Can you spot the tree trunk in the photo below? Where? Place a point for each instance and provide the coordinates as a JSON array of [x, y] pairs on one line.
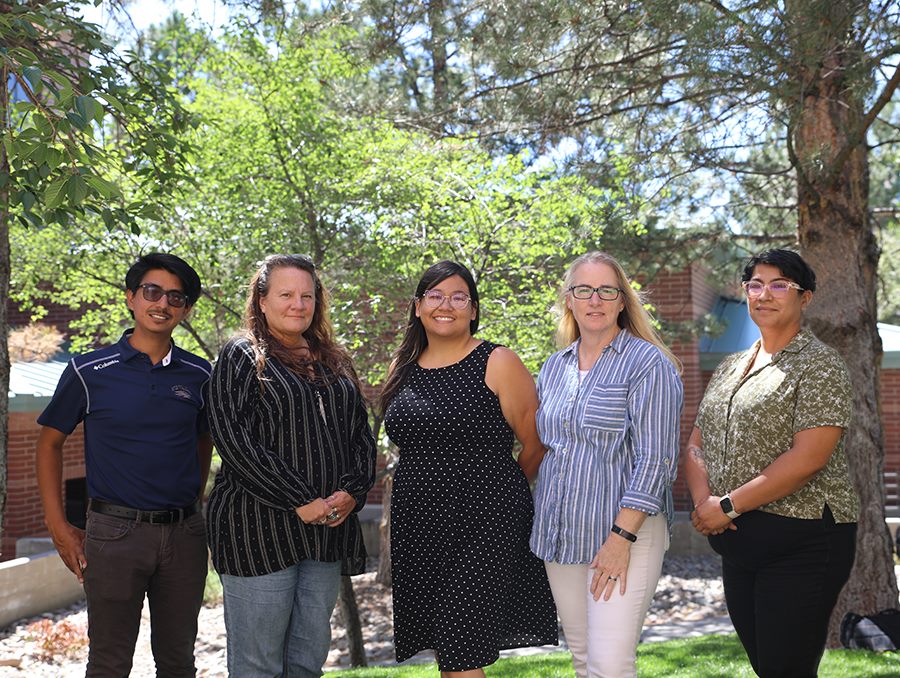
[[438, 48], [384, 543], [4, 294], [837, 240], [350, 615]]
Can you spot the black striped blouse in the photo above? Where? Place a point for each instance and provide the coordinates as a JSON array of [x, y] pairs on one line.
[[281, 447]]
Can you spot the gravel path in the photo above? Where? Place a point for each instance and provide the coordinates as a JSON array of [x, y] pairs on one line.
[[689, 590]]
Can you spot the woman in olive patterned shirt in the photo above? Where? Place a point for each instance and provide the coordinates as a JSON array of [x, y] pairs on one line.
[[768, 474]]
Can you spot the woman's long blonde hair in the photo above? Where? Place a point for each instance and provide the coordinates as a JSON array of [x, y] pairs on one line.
[[634, 317]]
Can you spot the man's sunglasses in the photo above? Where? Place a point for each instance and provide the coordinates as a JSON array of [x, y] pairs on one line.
[[152, 292]]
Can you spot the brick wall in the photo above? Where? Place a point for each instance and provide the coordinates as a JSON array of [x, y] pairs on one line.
[[23, 516], [57, 315], [890, 418], [682, 297]]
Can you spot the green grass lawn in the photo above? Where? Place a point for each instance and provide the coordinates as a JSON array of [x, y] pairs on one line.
[[706, 657]]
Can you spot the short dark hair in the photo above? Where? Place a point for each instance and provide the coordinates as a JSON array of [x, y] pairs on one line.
[[190, 281], [791, 265]]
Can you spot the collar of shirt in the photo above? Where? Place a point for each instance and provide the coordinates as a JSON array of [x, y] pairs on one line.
[[617, 344], [795, 346], [127, 351]]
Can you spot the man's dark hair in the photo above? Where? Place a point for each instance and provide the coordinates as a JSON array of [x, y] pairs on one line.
[[190, 281], [791, 265]]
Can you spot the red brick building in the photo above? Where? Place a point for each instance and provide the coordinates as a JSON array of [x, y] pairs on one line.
[[682, 296]]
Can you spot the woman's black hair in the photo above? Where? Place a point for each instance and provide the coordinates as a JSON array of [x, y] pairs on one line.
[[414, 338], [791, 265]]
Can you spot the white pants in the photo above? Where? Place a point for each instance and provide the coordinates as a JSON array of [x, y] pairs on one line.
[[603, 635]]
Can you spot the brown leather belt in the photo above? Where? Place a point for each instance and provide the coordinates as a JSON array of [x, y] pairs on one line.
[[158, 517]]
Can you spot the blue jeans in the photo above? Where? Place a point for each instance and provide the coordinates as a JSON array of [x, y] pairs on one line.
[[279, 624]]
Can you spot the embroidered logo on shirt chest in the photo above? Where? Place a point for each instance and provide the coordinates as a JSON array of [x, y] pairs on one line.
[[182, 392]]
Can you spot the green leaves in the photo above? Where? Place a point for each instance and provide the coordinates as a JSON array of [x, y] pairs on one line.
[[77, 189], [88, 108], [27, 199], [33, 75], [71, 148], [56, 193], [112, 101], [105, 188], [280, 161]]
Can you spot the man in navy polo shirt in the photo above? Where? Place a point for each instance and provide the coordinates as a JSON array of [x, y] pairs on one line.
[[147, 454]]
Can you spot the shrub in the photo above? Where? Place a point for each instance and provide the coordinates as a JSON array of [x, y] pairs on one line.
[[53, 639]]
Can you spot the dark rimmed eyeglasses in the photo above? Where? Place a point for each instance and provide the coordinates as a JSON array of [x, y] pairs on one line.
[[151, 292], [585, 292]]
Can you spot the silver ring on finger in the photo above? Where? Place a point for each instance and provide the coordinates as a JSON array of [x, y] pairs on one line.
[[614, 579]]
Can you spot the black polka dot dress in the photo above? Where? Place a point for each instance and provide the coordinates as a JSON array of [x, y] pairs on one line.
[[465, 581]]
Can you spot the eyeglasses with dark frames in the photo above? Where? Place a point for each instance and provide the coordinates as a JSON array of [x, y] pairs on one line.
[[151, 292], [585, 292]]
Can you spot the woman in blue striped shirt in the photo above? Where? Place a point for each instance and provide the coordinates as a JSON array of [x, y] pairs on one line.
[[610, 403]]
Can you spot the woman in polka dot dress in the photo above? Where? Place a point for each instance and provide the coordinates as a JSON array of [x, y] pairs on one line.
[[465, 582]]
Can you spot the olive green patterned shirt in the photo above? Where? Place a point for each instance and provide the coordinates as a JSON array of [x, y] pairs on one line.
[[747, 421]]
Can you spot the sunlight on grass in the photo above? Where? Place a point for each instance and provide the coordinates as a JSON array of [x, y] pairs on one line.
[[706, 657]]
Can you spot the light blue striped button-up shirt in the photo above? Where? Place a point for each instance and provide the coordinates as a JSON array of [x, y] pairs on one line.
[[612, 442]]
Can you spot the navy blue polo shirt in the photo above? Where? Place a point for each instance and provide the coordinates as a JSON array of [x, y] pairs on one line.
[[141, 423]]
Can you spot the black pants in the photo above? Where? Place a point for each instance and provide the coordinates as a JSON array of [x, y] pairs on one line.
[[782, 577], [127, 560]]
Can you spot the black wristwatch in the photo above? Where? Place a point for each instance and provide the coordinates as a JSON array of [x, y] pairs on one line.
[[728, 507]]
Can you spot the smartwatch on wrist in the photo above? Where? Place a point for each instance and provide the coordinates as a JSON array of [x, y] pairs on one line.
[[728, 507]]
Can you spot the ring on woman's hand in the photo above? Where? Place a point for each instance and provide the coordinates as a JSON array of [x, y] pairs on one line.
[[334, 515], [614, 579]]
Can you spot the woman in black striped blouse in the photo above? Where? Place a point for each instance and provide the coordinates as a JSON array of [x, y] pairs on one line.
[[298, 458]]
